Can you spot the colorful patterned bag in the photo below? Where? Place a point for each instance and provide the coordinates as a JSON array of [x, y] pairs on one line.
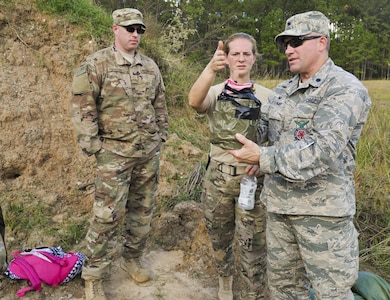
[[50, 265]]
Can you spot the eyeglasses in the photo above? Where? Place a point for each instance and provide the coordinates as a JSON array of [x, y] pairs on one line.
[[131, 29], [298, 41]]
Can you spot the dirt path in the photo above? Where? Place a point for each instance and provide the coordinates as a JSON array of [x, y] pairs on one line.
[[169, 283]]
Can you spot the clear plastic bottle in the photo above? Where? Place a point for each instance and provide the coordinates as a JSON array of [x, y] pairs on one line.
[[248, 187]]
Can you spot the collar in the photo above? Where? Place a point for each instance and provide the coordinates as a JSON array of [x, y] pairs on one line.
[[238, 86], [121, 61], [315, 81]]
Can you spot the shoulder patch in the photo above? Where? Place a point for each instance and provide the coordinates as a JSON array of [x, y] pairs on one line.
[[81, 83], [81, 70]]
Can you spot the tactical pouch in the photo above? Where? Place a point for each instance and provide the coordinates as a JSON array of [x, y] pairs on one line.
[[235, 112]]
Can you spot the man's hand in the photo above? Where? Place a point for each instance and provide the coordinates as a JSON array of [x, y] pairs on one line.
[[253, 170], [249, 153]]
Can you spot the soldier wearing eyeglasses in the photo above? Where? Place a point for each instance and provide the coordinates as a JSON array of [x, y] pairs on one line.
[[119, 114], [312, 123]]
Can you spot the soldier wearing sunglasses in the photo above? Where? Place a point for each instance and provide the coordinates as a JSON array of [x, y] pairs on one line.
[[119, 114], [312, 123]]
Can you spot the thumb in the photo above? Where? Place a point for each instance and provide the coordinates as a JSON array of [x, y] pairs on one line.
[[241, 138], [220, 45]]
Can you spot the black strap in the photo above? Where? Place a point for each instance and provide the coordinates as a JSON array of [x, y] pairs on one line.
[[245, 93], [242, 111]]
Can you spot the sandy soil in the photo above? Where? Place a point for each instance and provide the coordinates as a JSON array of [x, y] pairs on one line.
[[169, 283]]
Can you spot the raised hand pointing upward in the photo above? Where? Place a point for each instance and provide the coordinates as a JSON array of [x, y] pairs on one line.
[[218, 62], [221, 185]]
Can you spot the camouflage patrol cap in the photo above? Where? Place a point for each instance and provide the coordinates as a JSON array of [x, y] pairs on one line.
[[128, 16], [303, 24]]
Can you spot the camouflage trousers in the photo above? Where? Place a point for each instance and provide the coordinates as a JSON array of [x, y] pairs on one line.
[[311, 252], [224, 220], [3, 249], [125, 195]]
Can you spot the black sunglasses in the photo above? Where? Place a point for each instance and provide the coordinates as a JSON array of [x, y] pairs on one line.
[[131, 29], [298, 41]]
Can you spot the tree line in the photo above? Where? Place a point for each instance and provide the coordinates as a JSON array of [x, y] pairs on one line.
[[360, 30]]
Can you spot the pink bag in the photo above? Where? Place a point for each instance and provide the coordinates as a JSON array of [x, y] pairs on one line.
[[50, 265]]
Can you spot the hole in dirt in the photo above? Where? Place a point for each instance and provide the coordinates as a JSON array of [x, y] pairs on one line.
[[7, 174]]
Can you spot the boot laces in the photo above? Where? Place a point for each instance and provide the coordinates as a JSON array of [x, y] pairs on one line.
[[138, 263], [96, 288], [226, 283]]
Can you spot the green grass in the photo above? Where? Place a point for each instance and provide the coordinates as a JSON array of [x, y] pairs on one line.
[[373, 182], [94, 19], [29, 221]]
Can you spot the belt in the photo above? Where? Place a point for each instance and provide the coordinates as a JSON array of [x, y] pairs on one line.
[[228, 169]]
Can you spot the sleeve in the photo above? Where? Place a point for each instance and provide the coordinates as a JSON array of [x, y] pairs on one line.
[[263, 125], [330, 143], [160, 108], [83, 110], [213, 94]]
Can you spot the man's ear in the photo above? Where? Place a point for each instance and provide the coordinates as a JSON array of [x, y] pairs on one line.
[[114, 28], [324, 42]]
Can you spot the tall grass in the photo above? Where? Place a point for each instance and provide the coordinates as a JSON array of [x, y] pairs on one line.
[[94, 19], [373, 182]]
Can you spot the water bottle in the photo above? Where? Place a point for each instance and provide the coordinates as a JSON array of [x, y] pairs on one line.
[[248, 187]]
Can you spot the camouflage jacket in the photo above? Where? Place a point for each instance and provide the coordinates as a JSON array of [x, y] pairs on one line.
[[119, 106], [312, 130]]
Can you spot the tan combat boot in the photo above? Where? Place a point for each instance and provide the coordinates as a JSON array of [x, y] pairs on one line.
[[136, 270], [251, 296], [225, 288], [94, 290]]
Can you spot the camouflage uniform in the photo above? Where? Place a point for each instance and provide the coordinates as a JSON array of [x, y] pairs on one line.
[[312, 129], [119, 114], [3, 248], [224, 218]]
